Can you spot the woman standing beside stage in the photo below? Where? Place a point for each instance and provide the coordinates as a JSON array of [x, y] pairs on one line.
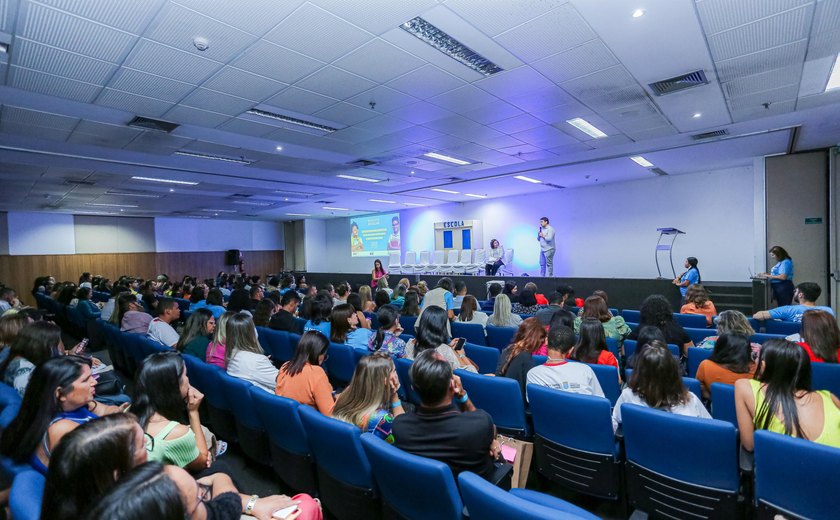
[[494, 258], [690, 277], [378, 273], [781, 276]]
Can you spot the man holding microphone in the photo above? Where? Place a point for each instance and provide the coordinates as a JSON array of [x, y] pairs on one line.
[[547, 247]]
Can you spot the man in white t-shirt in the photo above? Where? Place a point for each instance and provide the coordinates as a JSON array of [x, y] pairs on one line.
[[558, 373], [160, 329]]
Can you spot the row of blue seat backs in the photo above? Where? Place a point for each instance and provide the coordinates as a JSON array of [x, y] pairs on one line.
[[500, 397]]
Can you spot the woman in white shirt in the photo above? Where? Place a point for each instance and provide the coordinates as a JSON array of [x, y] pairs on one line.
[[244, 357], [656, 383], [494, 258], [502, 315], [470, 313]]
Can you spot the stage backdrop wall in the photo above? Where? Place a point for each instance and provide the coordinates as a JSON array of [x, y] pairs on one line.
[[602, 231]]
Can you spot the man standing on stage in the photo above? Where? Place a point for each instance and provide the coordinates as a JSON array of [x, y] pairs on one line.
[[547, 247]]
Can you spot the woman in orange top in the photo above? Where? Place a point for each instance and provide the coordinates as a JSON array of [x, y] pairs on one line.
[[302, 379], [697, 302], [730, 361]]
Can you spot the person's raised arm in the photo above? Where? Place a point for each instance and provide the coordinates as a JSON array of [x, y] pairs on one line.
[[204, 459]]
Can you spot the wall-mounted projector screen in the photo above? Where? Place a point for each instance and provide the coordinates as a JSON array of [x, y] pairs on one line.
[[375, 235]]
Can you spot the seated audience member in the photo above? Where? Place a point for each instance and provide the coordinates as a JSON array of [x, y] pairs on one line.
[[411, 307], [382, 285], [153, 490], [780, 399], [592, 346], [88, 309], [341, 295], [164, 401], [256, 294], [470, 313], [502, 315], [460, 436], [596, 308], [517, 358], [656, 311], [541, 299], [441, 297], [131, 316], [263, 312], [731, 322], [10, 327], [656, 382], [433, 334], [697, 302], [647, 335], [526, 303], [215, 302], [197, 334], [398, 298], [319, 315], [215, 354], [370, 402], [8, 300], [804, 297], [354, 300], [387, 336], [422, 288], [555, 303], [58, 399], [344, 327], [198, 297], [284, 318], [820, 336], [239, 301], [366, 296], [302, 379], [493, 291], [730, 361], [459, 293], [35, 343], [569, 301], [111, 305], [160, 329], [87, 463], [244, 357], [564, 318], [558, 373], [380, 298], [511, 291]]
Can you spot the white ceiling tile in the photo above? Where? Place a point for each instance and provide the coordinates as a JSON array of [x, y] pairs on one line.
[[827, 16], [607, 89], [420, 113], [157, 142], [495, 17], [140, 105], [562, 113], [515, 82], [493, 112], [136, 82], [463, 99], [425, 82], [217, 102], [272, 61], [824, 44], [8, 9], [519, 150], [631, 112], [769, 32], [177, 26], [417, 134], [194, 116], [72, 33], [158, 59], [48, 59], [497, 141], [719, 15], [442, 142], [570, 149], [383, 124], [24, 116], [633, 125], [352, 135], [585, 59], [775, 58], [336, 83], [378, 16], [771, 79], [301, 100], [111, 136], [240, 126], [112, 13], [606, 142], [52, 85], [555, 31], [496, 158], [304, 30], [758, 112], [379, 61], [451, 124], [827, 98], [517, 124], [542, 99], [545, 136], [755, 101], [243, 84], [346, 114], [386, 99], [254, 16]]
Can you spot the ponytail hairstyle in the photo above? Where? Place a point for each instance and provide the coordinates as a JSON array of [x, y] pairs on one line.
[[387, 316], [692, 262]]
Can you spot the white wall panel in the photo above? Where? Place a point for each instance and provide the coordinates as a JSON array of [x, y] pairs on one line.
[[41, 234]]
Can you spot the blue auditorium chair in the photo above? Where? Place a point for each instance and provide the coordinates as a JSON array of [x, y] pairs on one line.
[[406, 390], [500, 337], [695, 321], [9, 405], [681, 467], [502, 398], [207, 379], [249, 428], [826, 376], [723, 403], [275, 343], [345, 478], [183, 304], [26, 495], [608, 379], [631, 316], [412, 487], [613, 346], [299, 324], [761, 338], [630, 346], [695, 357], [472, 332], [784, 328], [407, 323], [341, 364], [487, 358], [697, 334]]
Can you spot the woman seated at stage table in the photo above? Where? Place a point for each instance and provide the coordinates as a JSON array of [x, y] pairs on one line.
[[697, 302], [433, 333], [527, 303], [495, 255], [517, 358], [502, 315], [596, 308], [470, 312]]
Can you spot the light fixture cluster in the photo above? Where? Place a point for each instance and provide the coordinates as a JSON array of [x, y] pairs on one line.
[[165, 181], [291, 120], [212, 157], [586, 127], [448, 45]]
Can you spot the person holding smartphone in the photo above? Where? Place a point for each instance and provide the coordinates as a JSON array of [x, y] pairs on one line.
[[433, 334]]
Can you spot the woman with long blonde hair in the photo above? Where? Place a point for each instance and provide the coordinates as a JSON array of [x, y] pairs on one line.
[[370, 402], [366, 295], [215, 354], [502, 315]]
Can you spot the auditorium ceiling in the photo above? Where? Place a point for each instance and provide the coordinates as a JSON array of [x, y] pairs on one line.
[[277, 109]]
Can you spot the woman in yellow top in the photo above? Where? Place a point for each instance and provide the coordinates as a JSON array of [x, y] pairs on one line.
[[697, 302], [779, 399]]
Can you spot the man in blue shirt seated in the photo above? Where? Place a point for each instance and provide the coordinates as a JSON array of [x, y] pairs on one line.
[[805, 295]]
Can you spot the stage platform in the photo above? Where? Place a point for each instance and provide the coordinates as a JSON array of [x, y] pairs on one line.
[[624, 293]]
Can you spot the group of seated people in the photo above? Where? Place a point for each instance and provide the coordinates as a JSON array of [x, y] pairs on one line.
[[60, 415]]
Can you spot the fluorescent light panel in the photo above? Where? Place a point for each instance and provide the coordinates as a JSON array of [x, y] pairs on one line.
[[355, 178], [212, 157], [291, 120], [641, 161], [441, 190], [219, 210], [111, 205], [441, 157], [834, 78], [414, 204], [334, 208], [165, 181], [475, 196], [298, 214], [586, 127], [248, 203], [128, 194], [527, 179], [383, 201], [448, 45]]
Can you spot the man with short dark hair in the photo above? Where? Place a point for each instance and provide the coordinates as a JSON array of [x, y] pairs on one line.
[[341, 295], [459, 436], [547, 247], [555, 303], [284, 319], [160, 328], [805, 296], [256, 295], [8, 299], [558, 373], [460, 292]]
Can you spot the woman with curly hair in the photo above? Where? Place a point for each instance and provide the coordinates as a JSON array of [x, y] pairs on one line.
[[657, 312]]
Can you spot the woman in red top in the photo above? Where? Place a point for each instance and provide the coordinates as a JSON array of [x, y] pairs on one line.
[[592, 346], [820, 336]]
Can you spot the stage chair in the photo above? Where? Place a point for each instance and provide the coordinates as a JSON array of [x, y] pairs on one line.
[[507, 269], [682, 467], [472, 332], [695, 357], [723, 403], [487, 358], [394, 262], [826, 376], [502, 398], [26, 495], [410, 264], [478, 263], [423, 264], [794, 478], [438, 262], [448, 267], [463, 263], [785, 328]]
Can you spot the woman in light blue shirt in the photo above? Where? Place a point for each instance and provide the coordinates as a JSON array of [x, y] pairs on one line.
[[690, 277], [781, 276]]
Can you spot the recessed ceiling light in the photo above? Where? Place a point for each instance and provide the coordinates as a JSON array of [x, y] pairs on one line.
[[638, 13], [383, 201], [111, 205], [279, 148], [171, 190], [586, 127], [286, 199], [355, 178], [448, 45], [4, 47], [166, 181], [475, 196], [834, 78], [697, 115], [441, 190], [527, 179], [412, 172], [298, 214], [219, 210], [212, 157], [641, 161], [413, 204], [291, 120], [333, 208], [249, 203], [129, 194], [441, 157]]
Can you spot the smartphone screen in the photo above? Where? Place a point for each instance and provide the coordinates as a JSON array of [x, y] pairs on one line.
[[460, 344], [283, 513]]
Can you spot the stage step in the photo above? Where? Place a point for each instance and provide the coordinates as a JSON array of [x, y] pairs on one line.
[[731, 296]]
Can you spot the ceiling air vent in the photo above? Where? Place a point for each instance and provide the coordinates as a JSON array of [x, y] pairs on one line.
[[677, 83], [659, 171], [556, 186], [76, 182], [242, 195], [709, 135], [361, 163], [152, 124]]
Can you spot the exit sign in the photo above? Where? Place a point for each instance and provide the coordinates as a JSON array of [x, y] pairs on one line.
[[813, 220]]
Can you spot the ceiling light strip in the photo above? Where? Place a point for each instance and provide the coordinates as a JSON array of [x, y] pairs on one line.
[[448, 45], [527, 179], [356, 178], [442, 157], [291, 120], [212, 157], [641, 161], [586, 127], [441, 190], [165, 181]]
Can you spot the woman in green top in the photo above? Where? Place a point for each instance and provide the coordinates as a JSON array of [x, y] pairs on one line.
[[197, 334], [595, 307], [167, 408]]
